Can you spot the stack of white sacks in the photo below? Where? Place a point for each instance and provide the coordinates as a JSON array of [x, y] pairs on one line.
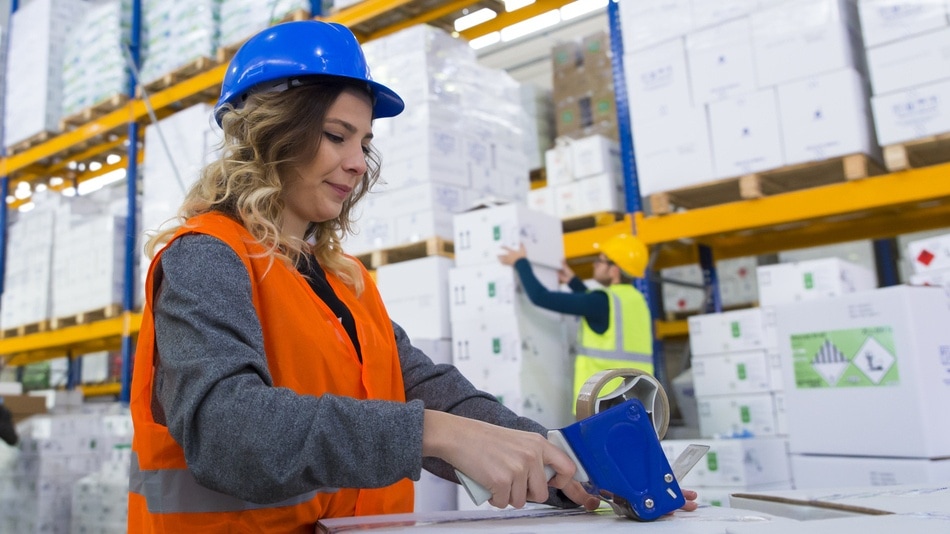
[[34, 77], [95, 66], [908, 54], [584, 176], [740, 382], [176, 32], [100, 499], [459, 139], [242, 18], [723, 89], [472, 312], [55, 452]]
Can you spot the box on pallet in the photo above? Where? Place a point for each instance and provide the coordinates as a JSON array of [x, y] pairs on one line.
[[883, 21], [735, 463], [480, 235], [930, 254], [415, 295], [867, 374], [783, 283], [733, 331]]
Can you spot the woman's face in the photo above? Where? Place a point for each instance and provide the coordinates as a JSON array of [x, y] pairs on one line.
[[317, 191]]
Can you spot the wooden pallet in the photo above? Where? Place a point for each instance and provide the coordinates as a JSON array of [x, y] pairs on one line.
[[766, 183], [25, 329], [182, 73], [92, 113], [918, 153], [583, 222], [30, 142], [98, 314], [434, 246]]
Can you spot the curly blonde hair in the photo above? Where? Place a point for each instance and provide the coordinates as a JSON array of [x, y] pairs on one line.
[[264, 141]]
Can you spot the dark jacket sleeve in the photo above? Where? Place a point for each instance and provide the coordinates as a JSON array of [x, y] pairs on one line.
[[593, 306], [240, 434]]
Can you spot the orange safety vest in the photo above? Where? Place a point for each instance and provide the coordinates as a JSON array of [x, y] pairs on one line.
[[318, 358]]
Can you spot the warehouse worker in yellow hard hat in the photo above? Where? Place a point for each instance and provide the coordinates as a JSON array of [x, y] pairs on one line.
[[615, 329]]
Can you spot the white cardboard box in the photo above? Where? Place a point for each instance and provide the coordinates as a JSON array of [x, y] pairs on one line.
[[480, 235], [815, 471], [595, 155], [783, 283], [736, 463], [911, 114], [883, 21], [708, 13], [862, 524], [757, 371], [739, 416], [826, 116], [657, 81], [674, 151], [721, 63], [648, 22], [746, 135], [918, 60], [888, 349], [416, 295], [930, 254], [811, 503], [477, 291], [732, 331]]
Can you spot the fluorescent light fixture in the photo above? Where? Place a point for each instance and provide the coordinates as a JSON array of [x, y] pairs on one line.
[[22, 193], [69, 192], [40, 188], [11, 199], [514, 5], [528, 26], [95, 166], [581, 7], [474, 19], [97, 183], [485, 40], [55, 181], [26, 206], [112, 159]]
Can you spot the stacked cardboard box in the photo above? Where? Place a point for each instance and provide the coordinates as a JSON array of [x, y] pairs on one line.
[[584, 101]]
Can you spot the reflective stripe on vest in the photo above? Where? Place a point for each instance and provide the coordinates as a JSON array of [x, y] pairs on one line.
[[618, 353], [173, 491]]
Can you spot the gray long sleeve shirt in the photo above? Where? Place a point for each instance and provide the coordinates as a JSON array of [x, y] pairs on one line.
[[243, 436]]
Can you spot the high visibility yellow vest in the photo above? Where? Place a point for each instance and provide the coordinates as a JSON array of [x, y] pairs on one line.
[[319, 358], [627, 342]]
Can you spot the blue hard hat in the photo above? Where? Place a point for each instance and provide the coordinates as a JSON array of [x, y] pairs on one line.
[[291, 51]]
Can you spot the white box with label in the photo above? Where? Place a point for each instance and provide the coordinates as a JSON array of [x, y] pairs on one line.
[[478, 290], [783, 283], [708, 13], [755, 371], [595, 154], [919, 60], [738, 416], [814, 471], [930, 254], [735, 463], [674, 151], [732, 331], [883, 21], [826, 116], [746, 135], [657, 81], [721, 63], [480, 235], [868, 374], [917, 112], [648, 22]]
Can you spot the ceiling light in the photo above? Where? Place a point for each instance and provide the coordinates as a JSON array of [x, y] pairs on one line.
[[97, 183], [28, 206], [513, 5], [474, 19], [527, 26], [112, 159], [581, 7], [485, 40]]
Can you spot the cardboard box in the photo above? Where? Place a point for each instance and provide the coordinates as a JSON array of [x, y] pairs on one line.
[[737, 373], [480, 235], [416, 295], [815, 471], [736, 463], [648, 22], [847, 500], [746, 135], [673, 152], [784, 283], [930, 254], [732, 331], [739, 416], [657, 81], [915, 113], [888, 349], [23, 406], [884, 524], [884, 21], [918, 60], [721, 63]]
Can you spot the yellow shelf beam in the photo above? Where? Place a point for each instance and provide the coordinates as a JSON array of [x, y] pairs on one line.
[[78, 339], [365, 11], [101, 390], [668, 329], [423, 18]]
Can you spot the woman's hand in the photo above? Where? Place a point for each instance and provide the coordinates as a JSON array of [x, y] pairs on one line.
[[508, 463], [691, 497], [512, 255]]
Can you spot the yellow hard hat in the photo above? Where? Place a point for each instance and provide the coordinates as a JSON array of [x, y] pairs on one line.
[[628, 252]]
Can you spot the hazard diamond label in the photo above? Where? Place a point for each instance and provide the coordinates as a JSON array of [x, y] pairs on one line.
[[856, 357], [925, 257], [873, 360]]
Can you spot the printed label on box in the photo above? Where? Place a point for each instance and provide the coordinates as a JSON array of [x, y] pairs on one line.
[[858, 357]]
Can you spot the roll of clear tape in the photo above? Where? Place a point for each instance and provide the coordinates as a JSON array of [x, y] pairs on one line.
[[635, 384]]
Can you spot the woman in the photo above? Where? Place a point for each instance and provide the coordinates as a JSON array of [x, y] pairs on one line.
[[270, 387]]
